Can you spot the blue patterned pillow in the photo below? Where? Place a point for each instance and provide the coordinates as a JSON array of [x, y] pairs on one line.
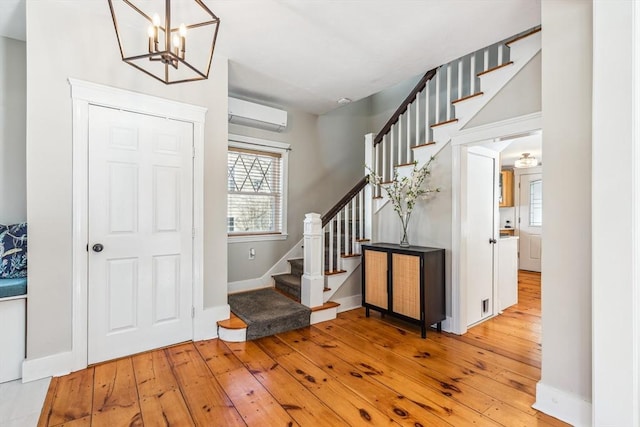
[[13, 251]]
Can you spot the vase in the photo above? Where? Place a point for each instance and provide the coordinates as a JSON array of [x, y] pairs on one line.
[[404, 220]]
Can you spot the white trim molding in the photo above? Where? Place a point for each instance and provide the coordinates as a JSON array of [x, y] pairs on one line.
[[562, 405], [349, 303], [496, 132], [83, 95]]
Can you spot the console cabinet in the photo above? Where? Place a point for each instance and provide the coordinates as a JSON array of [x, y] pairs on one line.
[[407, 283]]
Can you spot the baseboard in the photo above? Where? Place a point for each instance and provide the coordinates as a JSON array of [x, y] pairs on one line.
[[562, 405], [49, 366], [248, 285], [349, 303], [205, 324], [447, 324]]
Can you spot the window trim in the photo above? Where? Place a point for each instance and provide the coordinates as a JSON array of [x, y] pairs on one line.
[[282, 148]]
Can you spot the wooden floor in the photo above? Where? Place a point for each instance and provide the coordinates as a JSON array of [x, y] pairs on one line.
[[350, 371]]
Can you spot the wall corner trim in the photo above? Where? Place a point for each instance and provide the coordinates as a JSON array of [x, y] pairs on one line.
[[48, 366], [562, 405]]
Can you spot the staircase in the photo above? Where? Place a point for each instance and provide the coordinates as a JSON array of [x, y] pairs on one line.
[[438, 107]]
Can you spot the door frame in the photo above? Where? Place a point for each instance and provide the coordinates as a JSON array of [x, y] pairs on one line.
[[83, 95], [495, 132]]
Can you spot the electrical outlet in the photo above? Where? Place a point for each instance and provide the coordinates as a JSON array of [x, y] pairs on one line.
[[252, 253]]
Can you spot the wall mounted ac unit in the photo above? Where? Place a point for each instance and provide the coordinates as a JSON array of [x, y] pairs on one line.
[[255, 115]]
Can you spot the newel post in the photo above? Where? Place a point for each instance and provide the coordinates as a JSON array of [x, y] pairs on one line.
[[312, 290]]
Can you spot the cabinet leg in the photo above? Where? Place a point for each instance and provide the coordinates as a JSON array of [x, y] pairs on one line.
[[439, 327], [424, 331], [367, 311]]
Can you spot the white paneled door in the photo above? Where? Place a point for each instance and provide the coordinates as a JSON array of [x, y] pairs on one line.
[[140, 233], [480, 234], [530, 222]]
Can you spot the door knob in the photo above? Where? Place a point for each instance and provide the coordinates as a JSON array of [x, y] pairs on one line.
[[492, 241], [98, 247]]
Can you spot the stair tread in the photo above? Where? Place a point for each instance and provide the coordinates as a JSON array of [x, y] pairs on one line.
[[426, 144], [524, 36], [506, 64], [464, 98], [350, 255], [331, 273], [288, 279], [233, 322], [444, 123], [325, 306]]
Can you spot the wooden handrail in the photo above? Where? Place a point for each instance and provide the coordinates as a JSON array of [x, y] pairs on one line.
[[343, 202], [403, 107]]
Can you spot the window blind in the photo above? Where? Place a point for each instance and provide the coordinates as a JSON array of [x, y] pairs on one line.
[[254, 192]]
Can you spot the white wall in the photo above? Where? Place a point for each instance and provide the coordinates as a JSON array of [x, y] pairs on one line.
[[86, 48], [616, 163], [522, 95], [13, 131], [430, 223], [565, 387]]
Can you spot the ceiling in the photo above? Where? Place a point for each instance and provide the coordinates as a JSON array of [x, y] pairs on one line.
[[531, 144], [307, 54]]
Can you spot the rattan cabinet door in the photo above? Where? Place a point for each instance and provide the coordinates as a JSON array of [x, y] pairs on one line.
[[406, 285], [375, 284]]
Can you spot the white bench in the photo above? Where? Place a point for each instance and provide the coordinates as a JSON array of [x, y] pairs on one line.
[[13, 329]]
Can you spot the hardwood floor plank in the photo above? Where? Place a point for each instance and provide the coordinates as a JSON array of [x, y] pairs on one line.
[[415, 382], [47, 409], [297, 400], [161, 401], [115, 396], [73, 397], [351, 371], [351, 407], [207, 402], [254, 403], [364, 380]]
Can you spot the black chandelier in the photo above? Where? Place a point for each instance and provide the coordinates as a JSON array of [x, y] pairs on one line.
[[150, 40]]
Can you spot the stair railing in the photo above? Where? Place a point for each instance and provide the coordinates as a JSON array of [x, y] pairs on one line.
[[430, 104]]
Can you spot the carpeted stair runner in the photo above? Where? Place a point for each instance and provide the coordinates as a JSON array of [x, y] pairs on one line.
[[267, 312], [290, 283]]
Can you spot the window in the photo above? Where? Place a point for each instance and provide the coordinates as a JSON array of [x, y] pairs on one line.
[[535, 203], [256, 189]]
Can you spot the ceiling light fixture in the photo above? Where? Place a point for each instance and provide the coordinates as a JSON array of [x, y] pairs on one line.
[[150, 41], [344, 101], [526, 161]]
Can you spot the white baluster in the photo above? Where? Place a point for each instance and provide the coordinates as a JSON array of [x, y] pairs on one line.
[[391, 149], [339, 241], [331, 239], [438, 96], [399, 159], [408, 153], [361, 213], [353, 225], [500, 54], [384, 157], [379, 167], [472, 87], [448, 104], [486, 59], [460, 78], [427, 122], [417, 122]]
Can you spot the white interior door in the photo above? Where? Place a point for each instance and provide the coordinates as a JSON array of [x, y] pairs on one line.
[[530, 222], [140, 233], [480, 241]]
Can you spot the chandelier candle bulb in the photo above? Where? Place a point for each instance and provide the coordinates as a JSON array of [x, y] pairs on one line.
[[151, 32], [183, 40]]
